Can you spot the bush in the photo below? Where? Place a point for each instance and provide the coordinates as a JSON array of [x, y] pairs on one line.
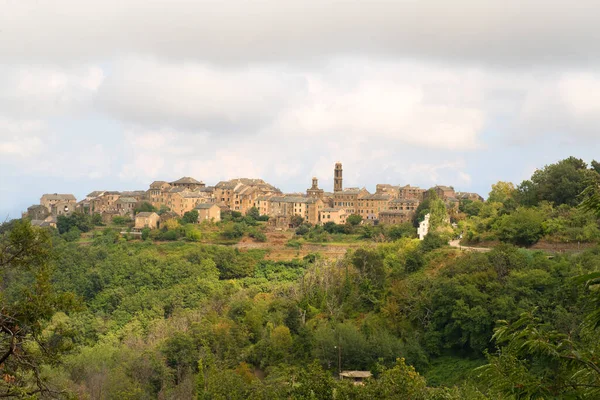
[[119, 220], [235, 231], [303, 230], [168, 235], [258, 236], [145, 233], [431, 242], [73, 235], [523, 227], [295, 244], [190, 217]]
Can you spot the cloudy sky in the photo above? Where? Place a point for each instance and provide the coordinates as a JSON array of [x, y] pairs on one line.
[[115, 94]]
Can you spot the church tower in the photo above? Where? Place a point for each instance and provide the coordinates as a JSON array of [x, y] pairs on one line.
[[314, 191], [337, 177]]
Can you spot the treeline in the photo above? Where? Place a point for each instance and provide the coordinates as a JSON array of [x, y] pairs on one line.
[[182, 320], [544, 207]]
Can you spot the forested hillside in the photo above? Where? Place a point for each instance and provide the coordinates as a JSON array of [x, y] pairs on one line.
[[109, 316]]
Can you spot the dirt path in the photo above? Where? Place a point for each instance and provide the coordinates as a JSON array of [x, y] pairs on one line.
[[456, 243]]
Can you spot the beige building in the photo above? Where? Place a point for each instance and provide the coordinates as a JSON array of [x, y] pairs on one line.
[[370, 205], [394, 217], [243, 193], [59, 204], [181, 201], [348, 199], [188, 183], [443, 192], [315, 192], [411, 192], [37, 212], [335, 215], [156, 192], [105, 202], [208, 212], [404, 204], [147, 220], [126, 205]]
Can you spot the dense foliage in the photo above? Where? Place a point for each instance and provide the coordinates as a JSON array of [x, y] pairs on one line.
[[118, 317]]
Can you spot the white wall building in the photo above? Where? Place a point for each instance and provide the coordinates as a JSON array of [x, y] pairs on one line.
[[423, 228]]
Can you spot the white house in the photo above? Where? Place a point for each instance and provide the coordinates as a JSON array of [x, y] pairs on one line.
[[423, 228]]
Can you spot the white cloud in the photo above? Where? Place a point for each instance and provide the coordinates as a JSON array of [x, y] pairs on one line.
[[44, 91]]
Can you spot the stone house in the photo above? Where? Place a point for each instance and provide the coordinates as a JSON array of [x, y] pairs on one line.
[[443, 192], [188, 183], [105, 202], [370, 205], [182, 201], [126, 205], [208, 212], [335, 215], [147, 220], [468, 196], [37, 212], [348, 199], [411, 192], [59, 204], [156, 192], [385, 188], [394, 217], [406, 204]]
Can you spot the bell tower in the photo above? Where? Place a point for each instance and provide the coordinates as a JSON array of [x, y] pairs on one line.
[[337, 177], [314, 191]]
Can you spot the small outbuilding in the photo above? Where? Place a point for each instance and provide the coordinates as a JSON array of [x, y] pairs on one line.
[[147, 220], [208, 212], [357, 377]]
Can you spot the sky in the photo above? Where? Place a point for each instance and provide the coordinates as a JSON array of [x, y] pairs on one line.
[[112, 95]]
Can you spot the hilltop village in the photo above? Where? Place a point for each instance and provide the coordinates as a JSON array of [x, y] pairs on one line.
[[390, 204]]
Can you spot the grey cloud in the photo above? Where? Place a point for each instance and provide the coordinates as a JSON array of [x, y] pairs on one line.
[[197, 97], [507, 33]]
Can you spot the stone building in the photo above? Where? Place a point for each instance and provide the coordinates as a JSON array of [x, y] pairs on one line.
[[411, 192], [208, 212], [370, 205], [443, 192], [314, 190], [394, 217], [59, 204], [335, 215], [405, 204], [188, 183], [156, 192], [348, 199], [181, 200], [37, 212], [126, 205], [147, 220], [337, 178], [105, 202]]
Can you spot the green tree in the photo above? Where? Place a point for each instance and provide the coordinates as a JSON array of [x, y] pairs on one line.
[[559, 183], [535, 361], [26, 309], [501, 192], [253, 213], [523, 227], [314, 383], [190, 217], [354, 219], [296, 221], [144, 207]]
